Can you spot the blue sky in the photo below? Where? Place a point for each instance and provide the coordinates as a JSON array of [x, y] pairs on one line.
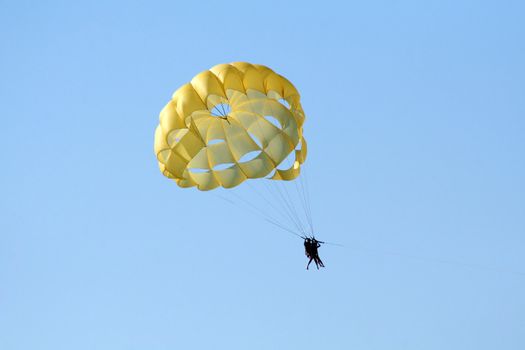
[[415, 127]]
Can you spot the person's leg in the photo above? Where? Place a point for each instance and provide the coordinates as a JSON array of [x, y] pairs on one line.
[[318, 259], [309, 263]]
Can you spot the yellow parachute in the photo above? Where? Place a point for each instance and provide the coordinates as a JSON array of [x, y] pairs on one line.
[[231, 123]]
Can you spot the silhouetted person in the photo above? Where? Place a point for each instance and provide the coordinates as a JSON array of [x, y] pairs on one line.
[[315, 253], [310, 248], [307, 247], [308, 251]]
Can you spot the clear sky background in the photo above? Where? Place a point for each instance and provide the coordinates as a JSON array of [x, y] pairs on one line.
[[415, 122]]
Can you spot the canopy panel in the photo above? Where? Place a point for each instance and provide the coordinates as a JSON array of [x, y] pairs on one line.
[[221, 116]]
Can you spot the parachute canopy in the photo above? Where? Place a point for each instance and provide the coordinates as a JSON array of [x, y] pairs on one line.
[[231, 123]]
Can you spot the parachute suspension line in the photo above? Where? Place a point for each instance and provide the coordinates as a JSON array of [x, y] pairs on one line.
[[289, 210], [437, 260], [265, 215], [289, 213], [261, 212], [306, 195], [285, 211], [284, 228], [292, 206], [300, 190], [286, 201], [303, 195], [223, 110], [265, 218], [220, 109], [303, 205], [287, 207], [334, 244], [253, 209], [270, 203]]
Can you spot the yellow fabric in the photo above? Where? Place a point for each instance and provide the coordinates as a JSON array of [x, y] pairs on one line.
[[211, 123]]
